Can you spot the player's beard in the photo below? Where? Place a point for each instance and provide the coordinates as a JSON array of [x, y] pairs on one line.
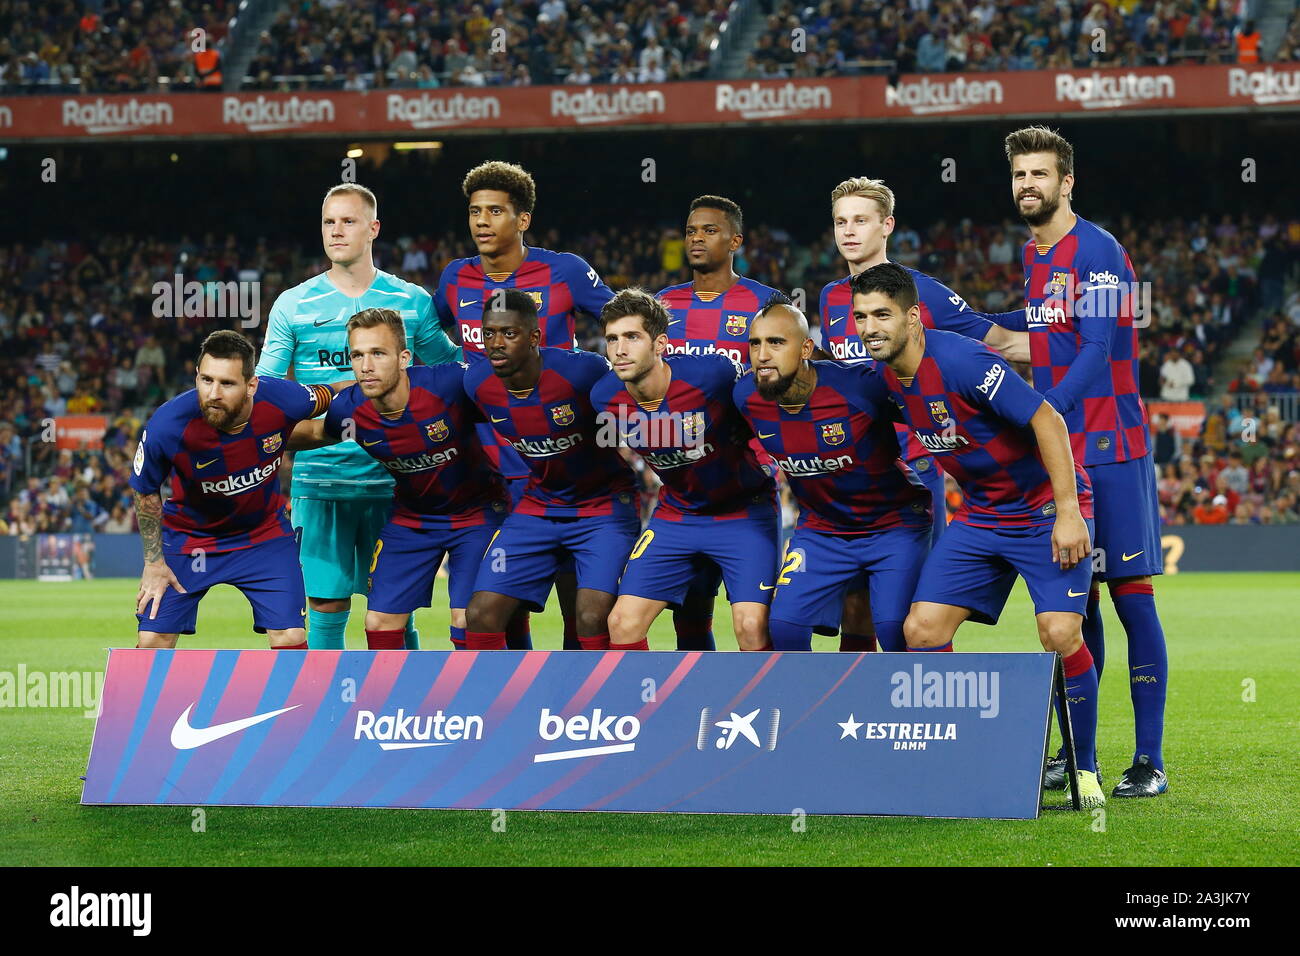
[[893, 349], [220, 417], [1047, 206], [776, 390]]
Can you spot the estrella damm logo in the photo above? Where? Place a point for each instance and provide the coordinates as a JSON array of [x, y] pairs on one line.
[[1058, 283], [437, 431], [693, 426], [271, 443], [939, 411], [736, 324], [563, 414], [833, 433]]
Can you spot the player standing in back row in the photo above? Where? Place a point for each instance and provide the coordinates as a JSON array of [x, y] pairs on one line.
[[501, 199], [1079, 298], [710, 315], [341, 496]]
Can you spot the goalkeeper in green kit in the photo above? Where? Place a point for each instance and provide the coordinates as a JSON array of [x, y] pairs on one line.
[[342, 496]]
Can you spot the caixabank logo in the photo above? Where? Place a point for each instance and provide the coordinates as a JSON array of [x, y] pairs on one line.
[[723, 734]]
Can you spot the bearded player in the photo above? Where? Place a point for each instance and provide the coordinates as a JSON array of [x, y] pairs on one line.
[[419, 424], [717, 505], [1026, 507], [501, 199], [226, 521], [1079, 298], [862, 512], [341, 496]]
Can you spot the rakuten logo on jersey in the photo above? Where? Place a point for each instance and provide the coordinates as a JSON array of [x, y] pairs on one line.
[[102, 116], [1036, 316], [925, 96], [471, 334], [1266, 86], [429, 111], [848, 349], [810, 467], [1108, 91], [263, 115], [756, 101], [587, 106], [711, 349], [583, 729], [238, 484]]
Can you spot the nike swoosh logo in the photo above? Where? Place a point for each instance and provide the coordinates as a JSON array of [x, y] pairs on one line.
[[761, 435], [319, 322], [463, 304], [369, 443], [832, 321], [185, 737], [767, 587], [497, 421], [673, 321], [204, 465], [1075, 594], [1138, 667], [1130, 557]]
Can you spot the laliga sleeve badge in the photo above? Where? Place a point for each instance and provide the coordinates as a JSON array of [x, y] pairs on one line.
[[1049, 508], [1103, 442]]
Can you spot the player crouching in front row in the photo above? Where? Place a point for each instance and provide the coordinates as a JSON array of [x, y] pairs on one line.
[[226, 521], [419, 423], [1027, 505]]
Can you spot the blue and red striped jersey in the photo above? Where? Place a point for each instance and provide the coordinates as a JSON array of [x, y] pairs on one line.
[[694, 439], [432, 450], [225, 489], [713, 322], [941, 308], [839, 451], [971, 411], [559, 282], [1079, 305], [572, 473]]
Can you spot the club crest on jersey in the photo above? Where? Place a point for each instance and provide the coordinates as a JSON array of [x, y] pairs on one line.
[[562, 414], [833, 433], [736, 324], [536, 296], [437, 431], [692, 427], [939, 411], [1057, 284], [271, 443]]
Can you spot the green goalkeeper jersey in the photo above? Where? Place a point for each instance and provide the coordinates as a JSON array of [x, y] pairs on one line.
[[307, 333]]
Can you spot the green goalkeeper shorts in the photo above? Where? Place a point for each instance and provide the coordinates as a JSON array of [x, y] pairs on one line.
[[338, 542]]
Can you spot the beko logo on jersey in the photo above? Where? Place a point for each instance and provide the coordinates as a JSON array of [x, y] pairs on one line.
[[710, 349], [801, 467], [547, 447], [237, 484], [992, 380], [1103, 278], [407, 466]]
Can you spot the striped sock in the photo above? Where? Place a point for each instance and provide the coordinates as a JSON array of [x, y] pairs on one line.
[[1148, 665], [325, 630]]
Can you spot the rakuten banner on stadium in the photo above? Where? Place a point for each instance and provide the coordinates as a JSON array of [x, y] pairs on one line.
[[955, 735], [714, 103]]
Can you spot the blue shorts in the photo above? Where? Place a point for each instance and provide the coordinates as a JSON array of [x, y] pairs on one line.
[[516, 487], [820, 568], [406, 561], [931, 475], [338, 537], [527, 551], [268, 574], [1126, 510], [976, 568], [664, 562]]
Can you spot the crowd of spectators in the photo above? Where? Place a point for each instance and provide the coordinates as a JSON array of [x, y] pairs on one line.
[[110, 46], [80, 334], [94, 46], [834, 37]]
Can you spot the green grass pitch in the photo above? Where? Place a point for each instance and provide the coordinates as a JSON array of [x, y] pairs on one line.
[[1231, 732]]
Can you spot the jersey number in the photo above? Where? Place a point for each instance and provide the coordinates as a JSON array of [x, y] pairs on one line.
[[642, 543], [793, 561]]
